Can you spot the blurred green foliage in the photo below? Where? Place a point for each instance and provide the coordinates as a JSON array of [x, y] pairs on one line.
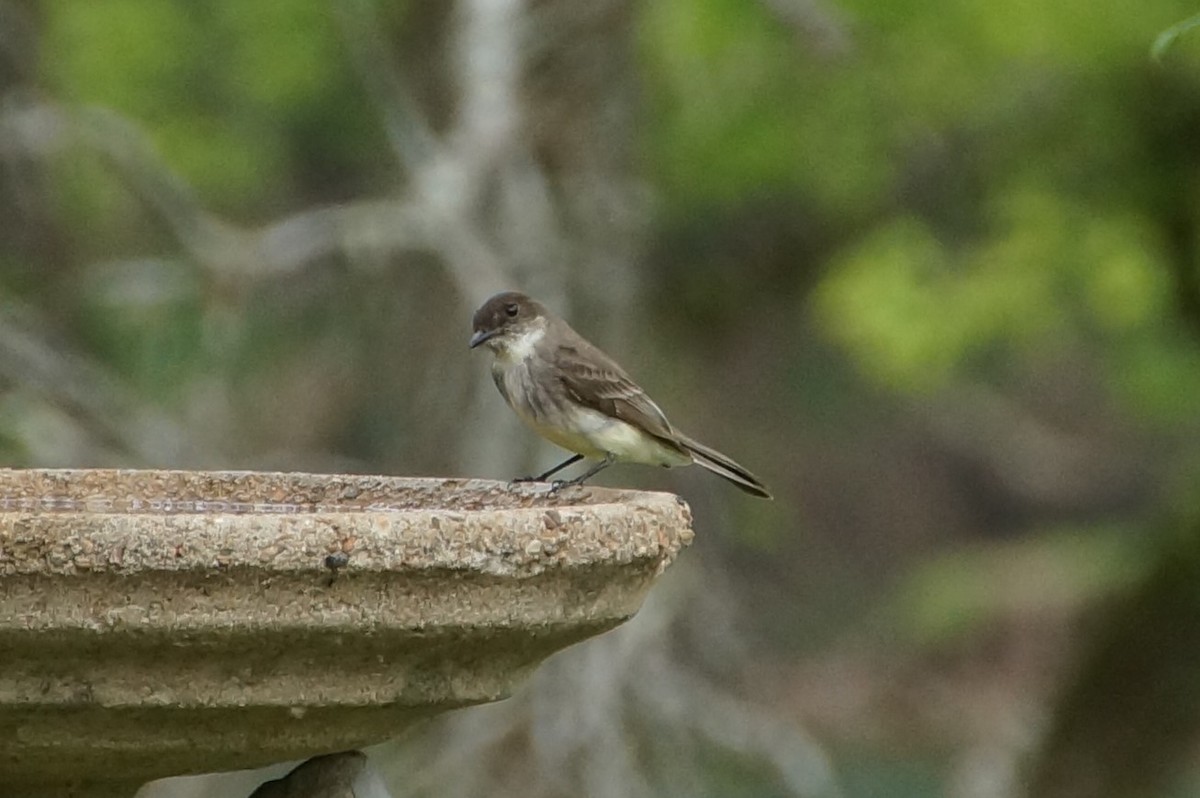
[[1015, 185], [254, 104], [914, 309], [991, 166], [1035, 222], [1052, 572], [1164, 40]]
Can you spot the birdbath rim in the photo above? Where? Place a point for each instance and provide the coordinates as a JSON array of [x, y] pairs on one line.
[[150, 618], [245, 491]]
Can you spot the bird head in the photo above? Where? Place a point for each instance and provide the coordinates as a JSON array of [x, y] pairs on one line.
[[506, 321]]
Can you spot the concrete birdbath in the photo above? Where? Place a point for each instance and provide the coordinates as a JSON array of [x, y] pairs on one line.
[[159, 623]]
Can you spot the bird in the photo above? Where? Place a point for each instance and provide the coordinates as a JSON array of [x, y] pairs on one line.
[[577, 397]]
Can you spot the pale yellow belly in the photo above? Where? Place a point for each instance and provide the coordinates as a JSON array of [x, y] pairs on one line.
[[570, 440], [588, 432], [594, 435]]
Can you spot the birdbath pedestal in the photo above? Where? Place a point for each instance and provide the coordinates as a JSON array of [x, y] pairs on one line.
[[160, 623]]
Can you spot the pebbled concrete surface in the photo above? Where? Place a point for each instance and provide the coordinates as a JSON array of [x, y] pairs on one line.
[[163, 623]]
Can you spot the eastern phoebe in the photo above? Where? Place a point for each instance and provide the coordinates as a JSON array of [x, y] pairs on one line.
[[577, 397]]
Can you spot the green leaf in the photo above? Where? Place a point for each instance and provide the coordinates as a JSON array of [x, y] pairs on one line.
[[1167, 38]]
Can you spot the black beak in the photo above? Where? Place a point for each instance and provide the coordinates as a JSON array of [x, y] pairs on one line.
[[482, 335]]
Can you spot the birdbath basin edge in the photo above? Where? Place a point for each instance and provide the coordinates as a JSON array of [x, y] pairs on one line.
[[158, 623]]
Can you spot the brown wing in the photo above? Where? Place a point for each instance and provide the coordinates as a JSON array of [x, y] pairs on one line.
[[595, 381]]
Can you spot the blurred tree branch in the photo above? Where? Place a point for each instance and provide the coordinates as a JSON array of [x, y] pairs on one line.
[[31, 360], [822, 27], [225, 250], [1038, 461], [440, 212]]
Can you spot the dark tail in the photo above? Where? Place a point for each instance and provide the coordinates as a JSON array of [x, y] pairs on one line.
[[722, 466]]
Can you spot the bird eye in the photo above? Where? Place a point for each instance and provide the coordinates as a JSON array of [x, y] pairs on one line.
[[511, 309]]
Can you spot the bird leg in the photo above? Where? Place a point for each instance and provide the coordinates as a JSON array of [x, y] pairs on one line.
[[608, 460], [575, 458]]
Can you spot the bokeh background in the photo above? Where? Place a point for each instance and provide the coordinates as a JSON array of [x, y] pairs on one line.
[[931, 269]]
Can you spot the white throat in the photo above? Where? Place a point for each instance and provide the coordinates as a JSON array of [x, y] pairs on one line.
[[515, 350]]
